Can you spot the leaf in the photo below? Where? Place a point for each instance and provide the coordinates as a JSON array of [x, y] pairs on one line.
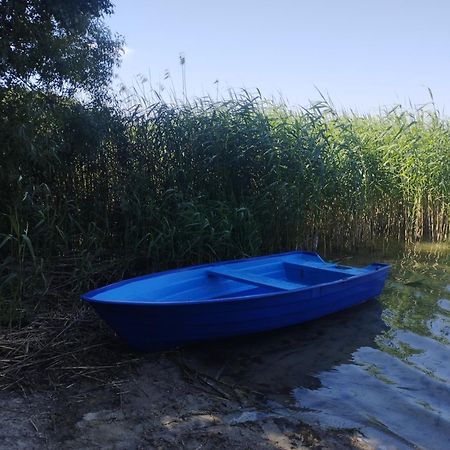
[[28, 243]]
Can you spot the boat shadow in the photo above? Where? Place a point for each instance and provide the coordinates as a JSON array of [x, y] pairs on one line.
[[276, 362]]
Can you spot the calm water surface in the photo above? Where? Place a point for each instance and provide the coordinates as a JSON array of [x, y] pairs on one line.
[[383, 367]]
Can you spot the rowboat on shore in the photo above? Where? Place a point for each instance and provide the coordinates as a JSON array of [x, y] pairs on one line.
[[211, 301]]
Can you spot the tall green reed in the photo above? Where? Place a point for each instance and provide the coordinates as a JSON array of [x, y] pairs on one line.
[[91, 193]]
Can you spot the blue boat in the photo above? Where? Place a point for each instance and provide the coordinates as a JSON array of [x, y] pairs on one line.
[[212, 301]]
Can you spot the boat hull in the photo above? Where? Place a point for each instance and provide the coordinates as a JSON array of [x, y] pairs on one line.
[[159, 326]]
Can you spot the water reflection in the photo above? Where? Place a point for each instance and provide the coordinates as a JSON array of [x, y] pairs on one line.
[[382, 368], [444, 304], [276, 362], [390, 401], [397, 392]]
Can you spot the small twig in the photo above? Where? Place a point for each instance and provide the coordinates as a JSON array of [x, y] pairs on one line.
[[34, 425]]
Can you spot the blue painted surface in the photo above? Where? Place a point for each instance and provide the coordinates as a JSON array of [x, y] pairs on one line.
[[212, 301]]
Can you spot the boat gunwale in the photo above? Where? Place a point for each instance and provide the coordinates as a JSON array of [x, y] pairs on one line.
[[87, 297]]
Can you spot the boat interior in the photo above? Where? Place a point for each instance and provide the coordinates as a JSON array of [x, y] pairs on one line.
[[243, 278]]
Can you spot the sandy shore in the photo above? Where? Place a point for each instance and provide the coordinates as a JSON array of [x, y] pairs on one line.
[[159, 405], [219, 396]]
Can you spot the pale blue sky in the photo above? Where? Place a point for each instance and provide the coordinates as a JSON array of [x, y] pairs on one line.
[[363, 54]]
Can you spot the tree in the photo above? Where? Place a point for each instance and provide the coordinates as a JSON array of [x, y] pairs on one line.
[[57, 45]]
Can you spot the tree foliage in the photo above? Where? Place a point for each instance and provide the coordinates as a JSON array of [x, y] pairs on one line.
[[57, 44]]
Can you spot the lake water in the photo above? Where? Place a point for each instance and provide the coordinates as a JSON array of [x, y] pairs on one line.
[[382, 368]]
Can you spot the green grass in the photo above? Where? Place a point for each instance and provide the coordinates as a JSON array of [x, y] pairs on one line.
[[90, 194]]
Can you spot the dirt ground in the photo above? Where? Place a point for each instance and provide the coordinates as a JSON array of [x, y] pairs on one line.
[[156, 405], [59, 396]]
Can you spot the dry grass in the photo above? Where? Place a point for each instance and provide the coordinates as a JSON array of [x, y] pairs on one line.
[[60, 348]]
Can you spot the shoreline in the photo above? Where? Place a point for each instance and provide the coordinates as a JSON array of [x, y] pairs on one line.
[[156, 404], [104, 396]]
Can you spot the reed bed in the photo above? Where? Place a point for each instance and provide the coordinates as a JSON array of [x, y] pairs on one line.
[[93, 193]]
